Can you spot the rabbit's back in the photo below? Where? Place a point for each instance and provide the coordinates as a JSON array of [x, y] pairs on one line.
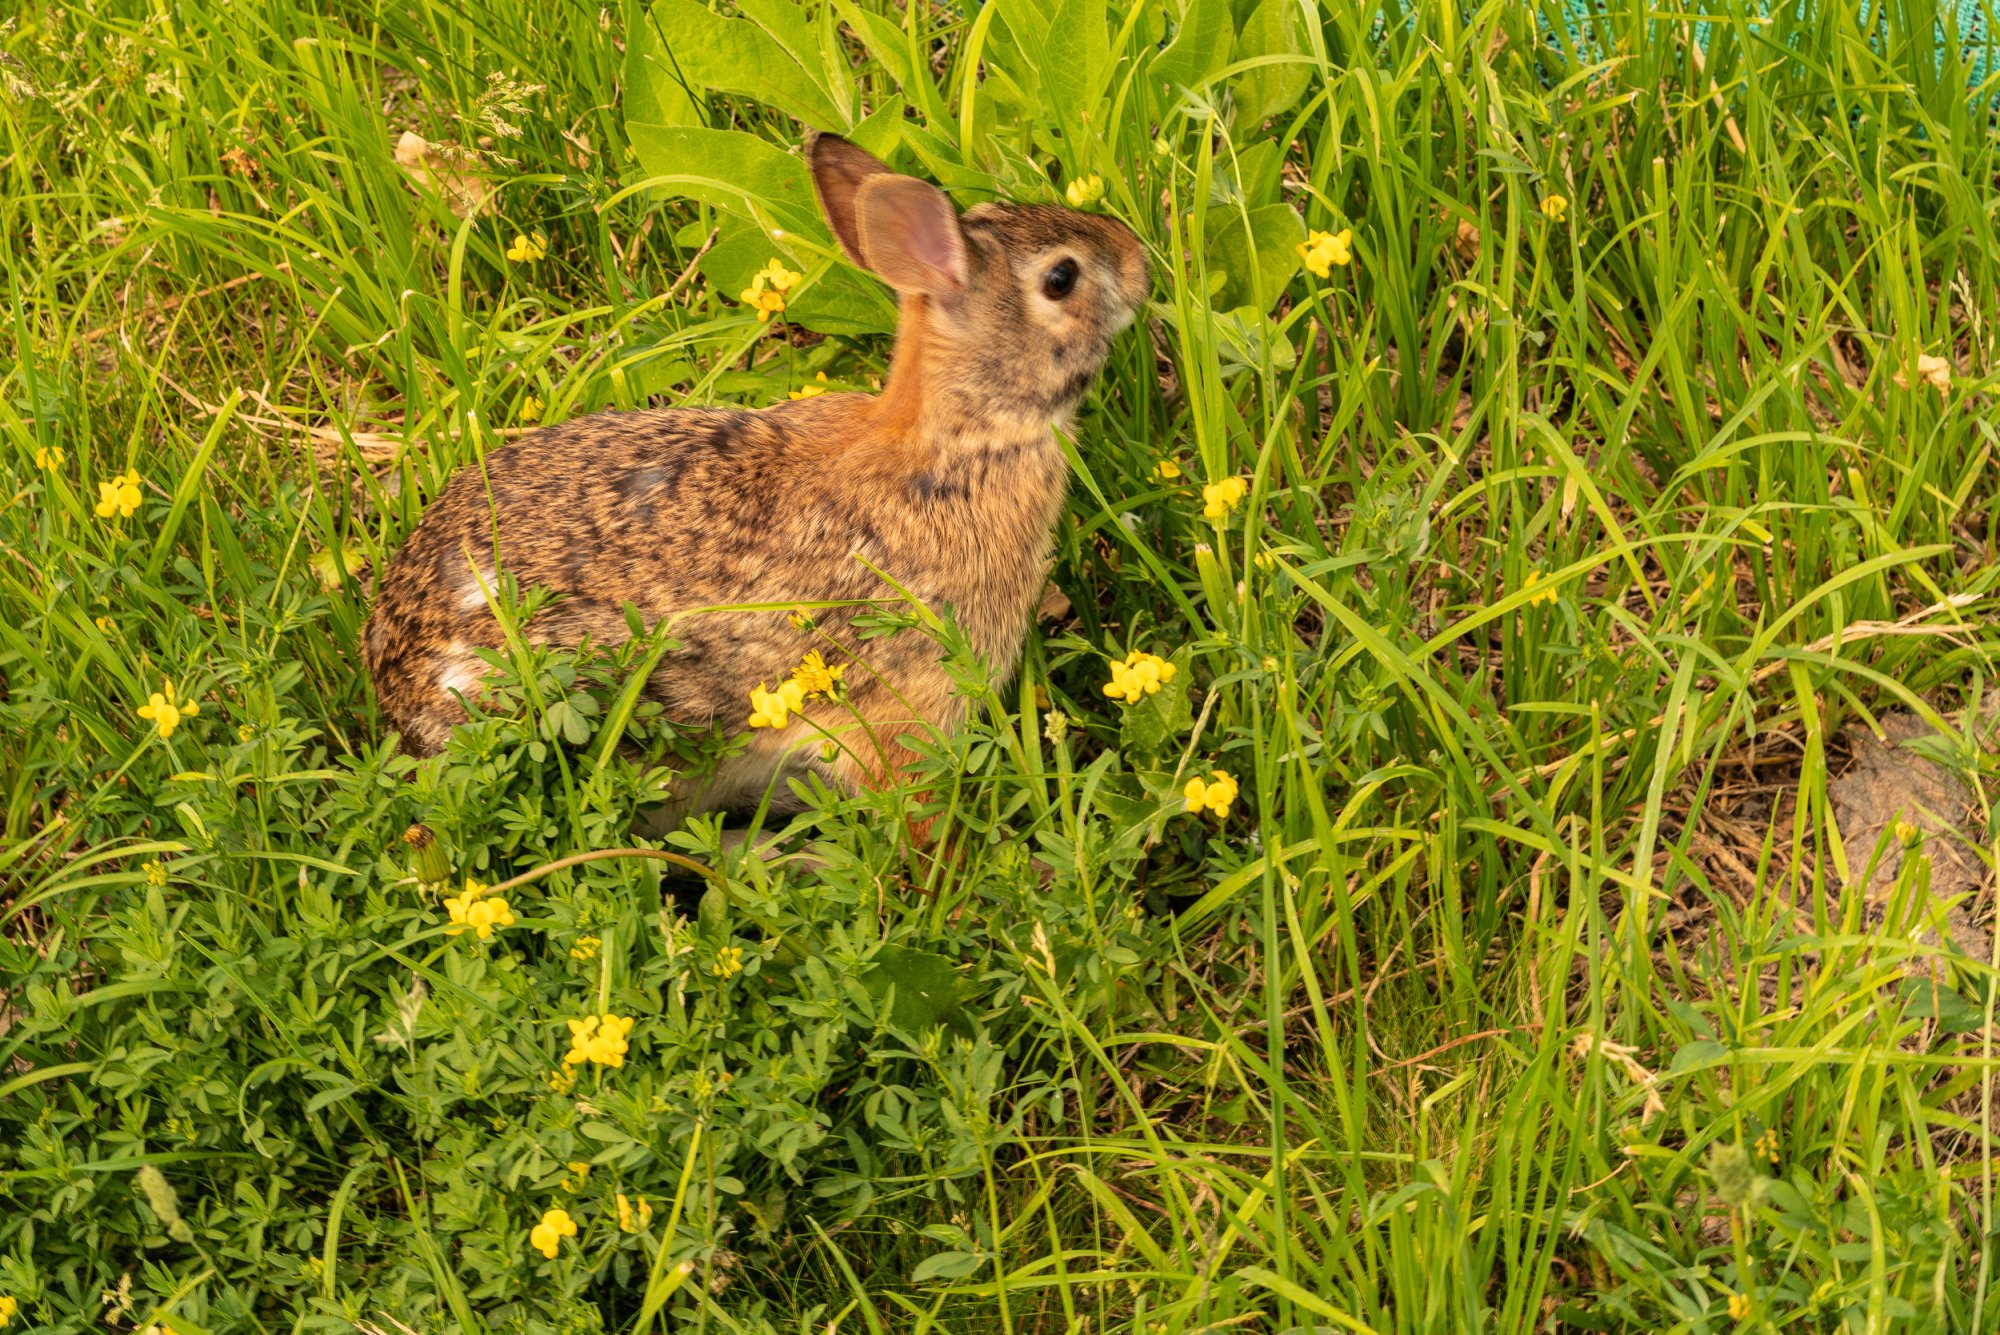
[[677, 510]]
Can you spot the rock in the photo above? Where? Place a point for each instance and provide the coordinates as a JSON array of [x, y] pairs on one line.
[[1888, 783]]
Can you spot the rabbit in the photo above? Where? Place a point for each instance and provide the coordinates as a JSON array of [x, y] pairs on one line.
[[949, 482]]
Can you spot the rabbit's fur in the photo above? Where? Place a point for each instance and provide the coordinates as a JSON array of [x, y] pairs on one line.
[[949, 482]]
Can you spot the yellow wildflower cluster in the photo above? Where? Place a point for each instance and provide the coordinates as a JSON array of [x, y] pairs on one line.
[[1323, 250], [633, 1219], [1544, 594], [527, 249], [774, 709], [1739, 1306], [1767, 1144], [1084, 191], [1166, 470], [50, 457], [580, 1173], [728, 962], [585, 948], [120, 496], [1219, 498], [599, 1039], [813, 676], [817, 385], [767, 289], [1139, 675], [156, 873], [816, 677], [531, 408], [546, 1236], [470, 912], [1554, 207], [1215, 793], [9, 1305], [165, 712]]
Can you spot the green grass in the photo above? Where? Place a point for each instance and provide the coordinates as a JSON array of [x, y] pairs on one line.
[[1521, 989]]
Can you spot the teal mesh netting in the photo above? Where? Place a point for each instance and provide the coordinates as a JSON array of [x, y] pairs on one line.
[[1583, 23]]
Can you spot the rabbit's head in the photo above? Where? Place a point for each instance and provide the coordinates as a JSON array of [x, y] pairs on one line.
[[1008, 310]]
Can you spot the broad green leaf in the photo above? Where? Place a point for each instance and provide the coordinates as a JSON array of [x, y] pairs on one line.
[[947, 1265], [1259, 261], [840, 301], [1200, 46], [730, 170], [692, 49], [1153, 723], [881, 133], [1269, 90], [926, 988]]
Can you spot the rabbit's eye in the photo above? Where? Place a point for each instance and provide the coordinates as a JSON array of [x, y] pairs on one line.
[[1060, 281]]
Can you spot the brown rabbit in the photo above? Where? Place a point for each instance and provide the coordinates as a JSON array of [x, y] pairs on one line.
[[948, 482]]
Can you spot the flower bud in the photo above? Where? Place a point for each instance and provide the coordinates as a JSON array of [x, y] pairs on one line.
[[430, 863]]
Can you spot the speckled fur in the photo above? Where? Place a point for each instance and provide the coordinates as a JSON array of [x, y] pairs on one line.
[[949, 482]]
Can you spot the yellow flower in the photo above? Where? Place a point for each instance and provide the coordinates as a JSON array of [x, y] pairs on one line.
[[778, 276], [1544, 595], [774, 709], [631, 1220], [728, 962], [1739, 1306], [562, 1081], [814, 677], [1166, 470], [806, 391], [767, 303], [800, 619], [585, 948], [531, 408], [527, 249], [156, 872], [1215, 793], [481, 916], [120, 496], [767, 289], [1219, 498], [165, 712], [546, 1236], [50, 457], [1554, 207], [599, 1039], [1767, 1144], [8, 1307], [1323, 250], [1141, 674], [1085, 190], [105, 624]]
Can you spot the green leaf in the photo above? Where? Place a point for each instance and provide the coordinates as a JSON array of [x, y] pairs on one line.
[[1259, 261], [925, 986], [840, 301], [1200, 47], [1272, 29], [947, 1265], [712, 917], [730, 170], [694, 50], [1152, 723]]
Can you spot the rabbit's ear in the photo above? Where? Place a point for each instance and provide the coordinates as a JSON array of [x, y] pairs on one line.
[[838, 170], [910, 236]]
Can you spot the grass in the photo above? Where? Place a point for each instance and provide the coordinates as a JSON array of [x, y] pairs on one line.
[[1529, 983]]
